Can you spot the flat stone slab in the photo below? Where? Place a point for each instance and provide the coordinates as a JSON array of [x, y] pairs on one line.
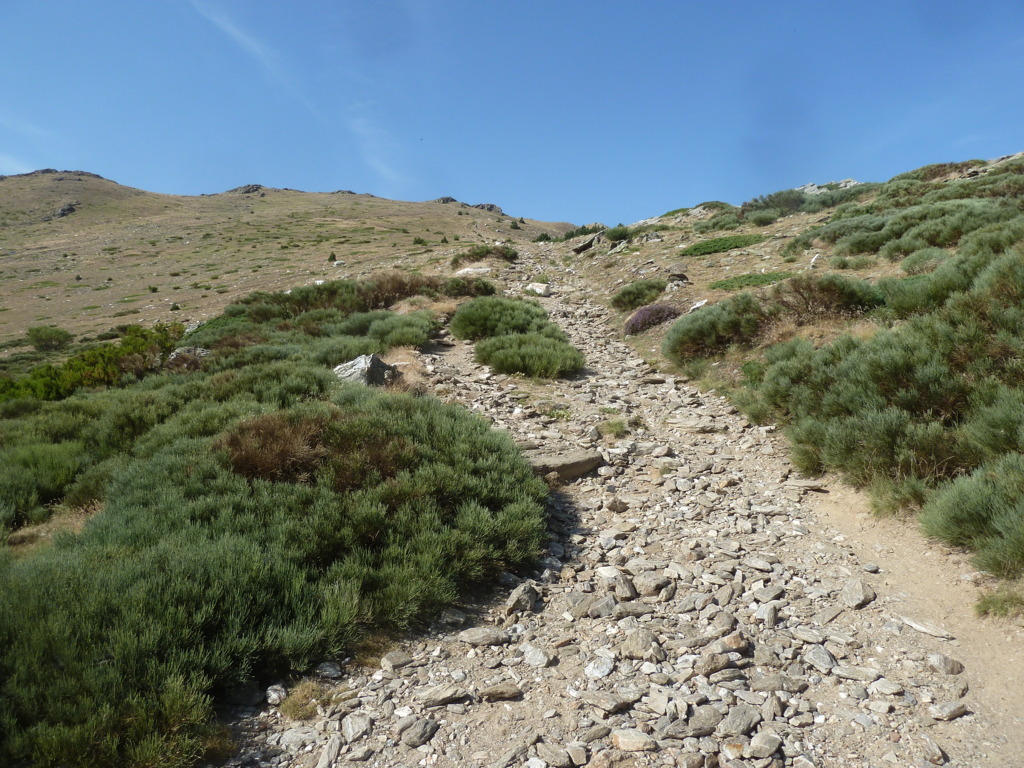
[[569, 464]]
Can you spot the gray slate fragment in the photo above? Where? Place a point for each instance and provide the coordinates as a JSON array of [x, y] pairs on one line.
[[569, 464], [608, 702], [862, 674], [393, 660], [819, 657], [702, 722], [484, 636], [944, 664], [355, 726], [439, 695], [633, 740], [857, 593], [419, 732], [948, 710], [740, 721], [763, 744], [330, 752]]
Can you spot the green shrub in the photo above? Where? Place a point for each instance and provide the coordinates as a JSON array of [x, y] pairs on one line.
[[762, 218], [923, 261], [722, 244], [35, 475], [530, 353], [209, 568], [48, 337], [638, 293], [749, 281], [984, 511], [617, 234], [713, 328], [720, 221], [496, 316], [591, 229]]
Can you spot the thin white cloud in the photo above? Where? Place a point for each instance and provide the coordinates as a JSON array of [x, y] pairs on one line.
[[12, 165], [264, 54], [25, 128], [379, 150]]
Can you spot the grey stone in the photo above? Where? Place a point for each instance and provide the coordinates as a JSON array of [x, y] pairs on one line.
[[556, 757], [607, 702], [537, 657], [931, 751], [863, 674], [599, 668], [944, 664], [857, 593], [276, 694], [569, 464], [366, 369], [643, 645], [819, 657], [763, 744], [501, 692], [439, 695], [539, 289], [740, 721], [419, 732], [355, 726], [523, 598], [948, 710], [484, 636], [393, 660], [330, 752], [633, 740], [702, 722], [778, 682]]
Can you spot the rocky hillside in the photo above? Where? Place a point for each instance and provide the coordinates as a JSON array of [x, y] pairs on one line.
[[700, 604], [700, 601]]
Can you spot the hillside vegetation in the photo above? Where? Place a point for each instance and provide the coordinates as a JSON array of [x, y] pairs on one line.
[[924, 404], [251, 516]]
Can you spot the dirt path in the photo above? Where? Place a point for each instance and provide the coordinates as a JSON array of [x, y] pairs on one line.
[[699, 606]]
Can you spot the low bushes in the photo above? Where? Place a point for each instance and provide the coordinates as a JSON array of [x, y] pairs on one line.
[[530, 353], [722, 244], [638, 293], [649, 317], [210, 568], [713, 328], [257, 516], [617, 234], [48, 337], [498, 316], [518, 337]]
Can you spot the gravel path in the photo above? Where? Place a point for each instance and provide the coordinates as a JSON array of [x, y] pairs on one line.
[[692, 610]]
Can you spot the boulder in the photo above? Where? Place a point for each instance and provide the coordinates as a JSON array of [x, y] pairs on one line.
[[366, 369], [539, 289], [569, 464]]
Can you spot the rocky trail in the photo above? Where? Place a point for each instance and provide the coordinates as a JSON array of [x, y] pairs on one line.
[[700, 605]]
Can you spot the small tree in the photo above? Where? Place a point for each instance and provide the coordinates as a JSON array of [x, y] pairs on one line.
[[47, 337]]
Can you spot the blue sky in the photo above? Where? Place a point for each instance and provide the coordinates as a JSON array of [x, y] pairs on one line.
[[566, 110]]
